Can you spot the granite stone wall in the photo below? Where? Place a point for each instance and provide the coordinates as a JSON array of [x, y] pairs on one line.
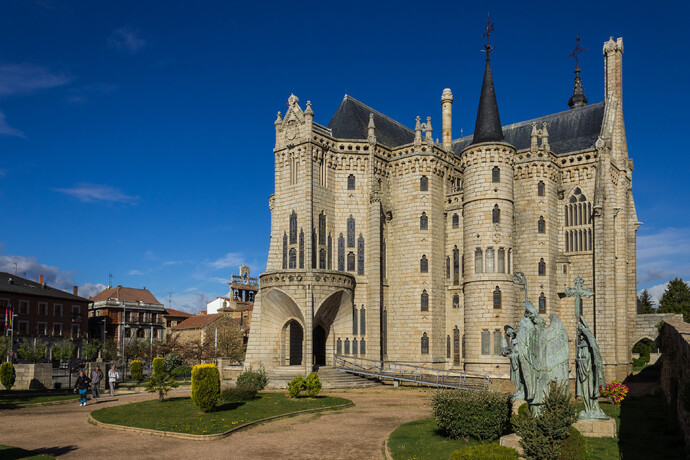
[[675, 371]]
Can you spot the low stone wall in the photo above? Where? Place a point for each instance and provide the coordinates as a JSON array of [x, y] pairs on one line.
[[675, 371], [33, 376], [229, 370]]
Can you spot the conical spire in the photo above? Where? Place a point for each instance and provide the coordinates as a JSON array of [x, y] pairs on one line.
[[578, 99], [488, 125]]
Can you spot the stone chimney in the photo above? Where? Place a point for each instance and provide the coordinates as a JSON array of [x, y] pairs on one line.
[[40, 279], [75, 290], [447, 126]]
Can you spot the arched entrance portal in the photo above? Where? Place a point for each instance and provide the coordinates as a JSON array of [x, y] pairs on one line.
[[319, 346], [295, 339]]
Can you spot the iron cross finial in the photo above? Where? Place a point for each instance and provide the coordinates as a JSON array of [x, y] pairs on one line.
[[578, 49], [489, 28]]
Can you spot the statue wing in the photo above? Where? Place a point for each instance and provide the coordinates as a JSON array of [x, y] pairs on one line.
[[528, 356], [597, 364], [557, 353]]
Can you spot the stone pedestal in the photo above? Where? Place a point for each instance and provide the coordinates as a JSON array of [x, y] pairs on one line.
[[511, 440], [597, 428]]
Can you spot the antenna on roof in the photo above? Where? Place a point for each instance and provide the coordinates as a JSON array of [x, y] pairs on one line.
[[110, 280], [15, 268], [170, 293]]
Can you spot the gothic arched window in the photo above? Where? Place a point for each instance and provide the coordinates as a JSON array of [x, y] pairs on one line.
[[339, 347], [423, 222], [425, 344], [362, 347], [424, 265], [456, 265], [456, 301], [293, 227], [489, 263], [541, 188], [350, 261], [322, 259], [285, 251], [362, 321], [293, 258], [341, 253], [329, 252], [542, 303], [486, 343], [456, 220], [478, 262], [496, 215], [497, 297], [541, 225], [354, 320], [322, 228], [350, 232], [448, 347], [355, 350], [347, 346], [425, 301], [351, 182], [301, 248], [447, 266], [542, 267], [423, 184], [501, 260], [360, 255], [496, 174]]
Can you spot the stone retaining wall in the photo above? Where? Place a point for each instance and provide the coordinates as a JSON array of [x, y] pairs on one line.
[[33, 376], [675, 371]]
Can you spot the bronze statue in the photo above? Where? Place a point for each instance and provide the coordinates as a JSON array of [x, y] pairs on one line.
[[590, 373]]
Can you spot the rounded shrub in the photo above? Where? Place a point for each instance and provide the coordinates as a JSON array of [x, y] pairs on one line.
[[171, 361], [136, 370], [181, 371], [237, 394], [205, 386], [296, 386], [7, 375], [482, 415], [158, 366], [252, 379], [485, 452], [574, 447], [312, 385]]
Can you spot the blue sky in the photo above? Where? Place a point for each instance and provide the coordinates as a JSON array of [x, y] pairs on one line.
[[136, 137]]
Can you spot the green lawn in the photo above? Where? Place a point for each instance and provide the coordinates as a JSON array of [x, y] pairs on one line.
[[181, 415], [10, 399], [12, 453], [419, 440]]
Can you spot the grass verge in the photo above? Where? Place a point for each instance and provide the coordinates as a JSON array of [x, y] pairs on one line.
[[182, 416], [12, 453], [10, 399], [420, 439]]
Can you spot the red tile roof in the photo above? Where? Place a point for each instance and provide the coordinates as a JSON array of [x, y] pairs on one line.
[[198, 321], [177, 313], [125, 294]]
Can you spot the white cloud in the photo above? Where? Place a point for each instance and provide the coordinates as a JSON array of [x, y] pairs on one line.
[[90, 193], [663, 255], [26, 78], [7, 130], [135, 272], [89, 289], [126, 39], [191, 302], [231, 259]]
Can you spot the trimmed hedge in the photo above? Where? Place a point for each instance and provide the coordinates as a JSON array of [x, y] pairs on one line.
[[482, 415], [574, 447], [252, 379], [158, 366], [237, 394], [312, 385], [136, 369], [205, 386], [7, 375], [181, 371], [485, 452]]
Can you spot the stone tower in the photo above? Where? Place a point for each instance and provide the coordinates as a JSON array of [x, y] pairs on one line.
[[487, 168]]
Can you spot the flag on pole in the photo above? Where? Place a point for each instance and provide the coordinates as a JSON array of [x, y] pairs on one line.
[[6, 321], [11, 320]]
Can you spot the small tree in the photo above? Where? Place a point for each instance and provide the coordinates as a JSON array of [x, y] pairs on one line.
[[160, 383], [7, 375], [136, 369], [644, 303], [63, 350], [91, 349], [205, 386], [158, 366], [171, 361], [5, 346], [230, 341], [193, 351], [32, 352], [312, 385], [296, 386], [676, 299], [110, 350]]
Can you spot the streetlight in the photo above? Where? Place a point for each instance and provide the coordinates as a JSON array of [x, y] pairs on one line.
[[124, 325]]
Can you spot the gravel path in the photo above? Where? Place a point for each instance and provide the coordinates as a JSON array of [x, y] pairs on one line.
[[353, 433]]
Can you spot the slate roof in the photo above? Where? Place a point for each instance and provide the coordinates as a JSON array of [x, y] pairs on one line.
[[351, 121], [487, 128], [25, 286], [569, 131], [126, 294]]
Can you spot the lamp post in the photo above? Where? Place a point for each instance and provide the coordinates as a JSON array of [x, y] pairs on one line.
[[124, 325]]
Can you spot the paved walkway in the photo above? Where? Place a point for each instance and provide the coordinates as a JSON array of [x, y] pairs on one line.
[[353, 433]]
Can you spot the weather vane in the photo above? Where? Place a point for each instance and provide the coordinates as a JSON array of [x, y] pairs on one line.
[[577, 51], [489, 28]]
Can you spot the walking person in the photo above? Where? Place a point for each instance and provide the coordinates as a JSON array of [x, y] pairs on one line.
[[96, 377], [82, 385], [113, 376]]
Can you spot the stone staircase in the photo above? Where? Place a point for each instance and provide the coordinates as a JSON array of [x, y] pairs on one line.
[[330, 378]]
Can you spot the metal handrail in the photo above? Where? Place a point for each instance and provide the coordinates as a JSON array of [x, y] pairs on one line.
[[411, 373]]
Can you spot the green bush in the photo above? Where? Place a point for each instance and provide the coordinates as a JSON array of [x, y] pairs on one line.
[[205, 386], [238, 394], [574, 447], [296, 386], [639, 362], [7, 375], [160, 383], [158, 366], [482, 415], [485, 452], [181, 371], [543, 435], [171, 361], [252, 379], [136, 370], [312, 385]]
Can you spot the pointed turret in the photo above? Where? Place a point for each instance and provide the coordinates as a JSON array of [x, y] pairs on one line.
[[578, 99], [488, 126]]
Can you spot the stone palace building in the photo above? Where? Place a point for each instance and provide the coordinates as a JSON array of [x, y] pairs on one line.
[[386, 244]]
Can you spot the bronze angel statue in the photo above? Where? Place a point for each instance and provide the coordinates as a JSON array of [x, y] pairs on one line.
[[590, 373]]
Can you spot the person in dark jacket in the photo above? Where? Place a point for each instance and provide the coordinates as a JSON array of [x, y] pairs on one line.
[[82, 384], [96, 377]]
